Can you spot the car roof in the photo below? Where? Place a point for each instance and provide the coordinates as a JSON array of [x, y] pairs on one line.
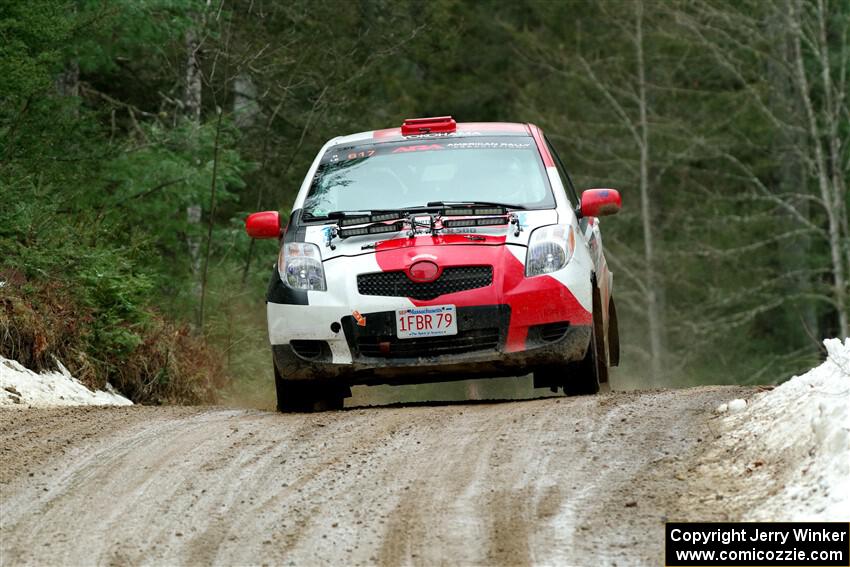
[[465, 129]]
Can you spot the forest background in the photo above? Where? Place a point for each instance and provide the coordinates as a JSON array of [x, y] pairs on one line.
[[135, 136]]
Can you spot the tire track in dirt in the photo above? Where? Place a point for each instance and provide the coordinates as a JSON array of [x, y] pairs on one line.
[[548, 481]]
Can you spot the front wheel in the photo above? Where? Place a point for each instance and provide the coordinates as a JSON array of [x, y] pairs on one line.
[[578, 378], [307, 395], [582, 377]]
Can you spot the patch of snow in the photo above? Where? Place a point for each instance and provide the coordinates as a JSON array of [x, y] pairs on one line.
[[21, 386], [737, 405], [721, 408], [802, 428]]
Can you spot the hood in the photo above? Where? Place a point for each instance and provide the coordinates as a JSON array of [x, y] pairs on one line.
[[515, 234]]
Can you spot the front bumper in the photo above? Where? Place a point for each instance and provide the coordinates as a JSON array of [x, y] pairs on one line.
[[375, 356], [468, 356]]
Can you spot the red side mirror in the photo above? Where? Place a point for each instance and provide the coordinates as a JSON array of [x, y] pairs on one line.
[[263, 225], [600, 202]]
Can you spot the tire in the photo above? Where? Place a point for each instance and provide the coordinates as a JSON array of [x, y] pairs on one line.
[[578, 378], [599, 337], [613, 335], [307, 395], [549, 377], [582, 377]]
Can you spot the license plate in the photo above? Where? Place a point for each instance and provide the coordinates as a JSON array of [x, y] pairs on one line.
[[418, 322]]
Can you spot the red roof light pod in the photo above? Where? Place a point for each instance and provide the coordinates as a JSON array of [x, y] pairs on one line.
[[436, 125]]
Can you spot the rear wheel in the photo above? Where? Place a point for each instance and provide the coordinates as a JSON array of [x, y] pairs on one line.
[[307, 395]]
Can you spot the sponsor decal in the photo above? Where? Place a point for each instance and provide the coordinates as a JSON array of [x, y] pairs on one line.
[[419, 148], [361, 154], [461, 230], [348, 154], [431, 135], [488, 145]]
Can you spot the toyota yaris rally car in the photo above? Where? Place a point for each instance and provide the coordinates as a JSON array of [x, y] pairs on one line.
[[438, 251]]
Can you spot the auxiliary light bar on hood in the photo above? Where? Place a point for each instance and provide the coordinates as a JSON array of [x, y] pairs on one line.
[[473, 211], [403, 214], [367, 219], [377, 223], [379, 228], [489, 221]]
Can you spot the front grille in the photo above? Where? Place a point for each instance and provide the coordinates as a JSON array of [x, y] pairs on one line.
[[393, 347], [452, 280]]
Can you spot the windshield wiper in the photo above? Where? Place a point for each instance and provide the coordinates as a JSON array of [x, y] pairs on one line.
[[475, 204]]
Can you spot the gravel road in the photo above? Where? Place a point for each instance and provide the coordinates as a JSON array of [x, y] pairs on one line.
[[560, 481]]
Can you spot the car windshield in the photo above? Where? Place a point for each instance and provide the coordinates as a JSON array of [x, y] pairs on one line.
[[412, 173]]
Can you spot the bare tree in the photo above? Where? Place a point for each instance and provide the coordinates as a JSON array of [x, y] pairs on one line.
[[653, 315], [825, 143], [630, 104], [814, 122]]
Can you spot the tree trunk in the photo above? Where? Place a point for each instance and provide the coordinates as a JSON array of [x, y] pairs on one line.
[[834, 96], [205, 271], [192, 111], [653, 310], [192, 88], [68, 81], [245, 107], [794, 258]]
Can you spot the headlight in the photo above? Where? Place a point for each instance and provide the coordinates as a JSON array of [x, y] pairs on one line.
[[550, 248], [300, 266]]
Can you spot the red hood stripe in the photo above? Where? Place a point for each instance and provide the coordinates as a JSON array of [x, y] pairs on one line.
[[533, 301]]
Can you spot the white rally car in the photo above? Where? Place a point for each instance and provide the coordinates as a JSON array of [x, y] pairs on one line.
[[438, 251]]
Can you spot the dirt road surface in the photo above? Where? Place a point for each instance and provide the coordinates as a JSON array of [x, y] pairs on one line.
[[559, 481]]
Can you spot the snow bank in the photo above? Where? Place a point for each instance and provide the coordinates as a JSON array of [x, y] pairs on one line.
[[802, 429], [20, 386]]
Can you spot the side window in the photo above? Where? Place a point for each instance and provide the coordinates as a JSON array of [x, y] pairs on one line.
[[562, 172]]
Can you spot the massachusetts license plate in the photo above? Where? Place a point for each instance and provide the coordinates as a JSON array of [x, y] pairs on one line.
[[418, 322]]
